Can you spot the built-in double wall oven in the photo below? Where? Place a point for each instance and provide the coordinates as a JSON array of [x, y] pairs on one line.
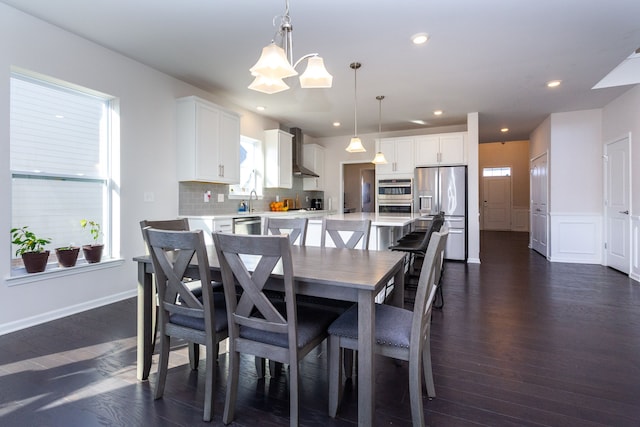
[[395, 196]]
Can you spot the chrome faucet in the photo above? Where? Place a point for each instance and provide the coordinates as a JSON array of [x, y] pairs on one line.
[[251, 198]]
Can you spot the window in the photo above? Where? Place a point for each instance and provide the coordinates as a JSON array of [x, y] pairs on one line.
[[503, 171], [251, 168], [60, 145]]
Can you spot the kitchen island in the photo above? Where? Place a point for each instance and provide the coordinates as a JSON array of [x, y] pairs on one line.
[[386, 229]]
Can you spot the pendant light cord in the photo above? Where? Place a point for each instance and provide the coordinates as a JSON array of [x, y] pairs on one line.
[[355, 66]]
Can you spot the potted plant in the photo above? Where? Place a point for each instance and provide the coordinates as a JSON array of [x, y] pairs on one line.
[[31, 249], [67, 255], [92, 252]]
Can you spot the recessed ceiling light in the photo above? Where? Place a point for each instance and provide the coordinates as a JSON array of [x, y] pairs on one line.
[[504, 130], [336, 124], [59, 116], [261, 108], [420, 38], [554, 83], [418, 122], [437, 113]]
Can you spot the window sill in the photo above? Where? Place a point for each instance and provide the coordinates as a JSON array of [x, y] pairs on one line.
[[19, 276]]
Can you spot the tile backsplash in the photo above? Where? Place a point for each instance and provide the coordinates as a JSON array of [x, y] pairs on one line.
[[191, 198]]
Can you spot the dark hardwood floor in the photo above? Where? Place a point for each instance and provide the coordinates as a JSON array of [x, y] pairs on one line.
[[519, 342]]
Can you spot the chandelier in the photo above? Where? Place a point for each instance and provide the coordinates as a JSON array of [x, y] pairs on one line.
[[276, 63]]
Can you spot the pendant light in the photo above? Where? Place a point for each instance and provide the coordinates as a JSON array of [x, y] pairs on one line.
[[355, 145], [379, 159]]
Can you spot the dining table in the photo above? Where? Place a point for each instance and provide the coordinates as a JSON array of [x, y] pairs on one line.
[[342, 274]]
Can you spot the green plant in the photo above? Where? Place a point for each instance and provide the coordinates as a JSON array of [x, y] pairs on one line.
[[94, 228], [27, 241]]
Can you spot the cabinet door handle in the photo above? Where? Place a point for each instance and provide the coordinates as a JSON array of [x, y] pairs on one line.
[[624, 212]]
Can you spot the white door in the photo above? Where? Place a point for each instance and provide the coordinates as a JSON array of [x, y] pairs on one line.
[[496, 211], [617, 205], [539, 203]]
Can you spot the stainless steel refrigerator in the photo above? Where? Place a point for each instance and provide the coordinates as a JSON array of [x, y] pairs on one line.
[[444, 188]]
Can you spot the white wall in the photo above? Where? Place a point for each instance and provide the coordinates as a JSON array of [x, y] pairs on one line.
[[576, 151], [147, 159], [575, 207]]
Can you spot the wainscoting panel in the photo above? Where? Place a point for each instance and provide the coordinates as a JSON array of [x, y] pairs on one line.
[[635, 248], [576, 238], [519, 219]]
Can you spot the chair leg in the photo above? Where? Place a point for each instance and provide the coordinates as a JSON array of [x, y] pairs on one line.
[[194, 355], [348, 356], [163, 365], [232, 387], [427, 368], [415, 391], [259, 362], [209, 385], [294, 390], [335, 374]]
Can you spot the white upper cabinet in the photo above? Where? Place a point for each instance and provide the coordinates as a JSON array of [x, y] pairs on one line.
[[399, 155], [278, 150], [441, 149], [314, 161], [208, 142]]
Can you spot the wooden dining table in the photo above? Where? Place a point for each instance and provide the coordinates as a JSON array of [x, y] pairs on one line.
[[341, 274]]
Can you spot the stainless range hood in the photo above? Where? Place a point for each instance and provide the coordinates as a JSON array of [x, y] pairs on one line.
[[298, 154]]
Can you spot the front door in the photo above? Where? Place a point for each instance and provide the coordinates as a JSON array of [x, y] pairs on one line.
[[539, 204], [617, 205], [496, 212]]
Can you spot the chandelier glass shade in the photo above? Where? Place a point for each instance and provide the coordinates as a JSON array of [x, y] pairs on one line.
[[276, 63]]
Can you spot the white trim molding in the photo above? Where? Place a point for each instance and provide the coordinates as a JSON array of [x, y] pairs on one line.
[[576, 238], [64, 312], [635, 248]]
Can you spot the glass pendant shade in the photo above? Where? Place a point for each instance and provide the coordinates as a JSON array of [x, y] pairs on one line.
[[379, 159], [267, 85], [355, 146], [273, 64], [316, 75]]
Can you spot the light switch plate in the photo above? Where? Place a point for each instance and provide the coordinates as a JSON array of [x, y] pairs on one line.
[[221, 198]]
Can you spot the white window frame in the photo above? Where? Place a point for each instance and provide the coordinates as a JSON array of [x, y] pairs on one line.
[[255, 179], [497, 171], [107, 178]]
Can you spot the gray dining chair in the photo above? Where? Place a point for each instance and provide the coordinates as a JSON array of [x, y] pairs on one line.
[[178, 224], [357, 233], [399, 333], [295, 228], [258, 325], [202, 320]]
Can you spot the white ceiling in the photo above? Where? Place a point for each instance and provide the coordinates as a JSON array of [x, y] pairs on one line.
[[489, 56]]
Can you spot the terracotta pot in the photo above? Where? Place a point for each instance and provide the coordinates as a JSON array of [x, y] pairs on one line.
[[35, 262], [92, 253], [67, 257]]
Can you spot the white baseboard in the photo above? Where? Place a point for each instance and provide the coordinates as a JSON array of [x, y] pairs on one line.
[[66, 311]]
